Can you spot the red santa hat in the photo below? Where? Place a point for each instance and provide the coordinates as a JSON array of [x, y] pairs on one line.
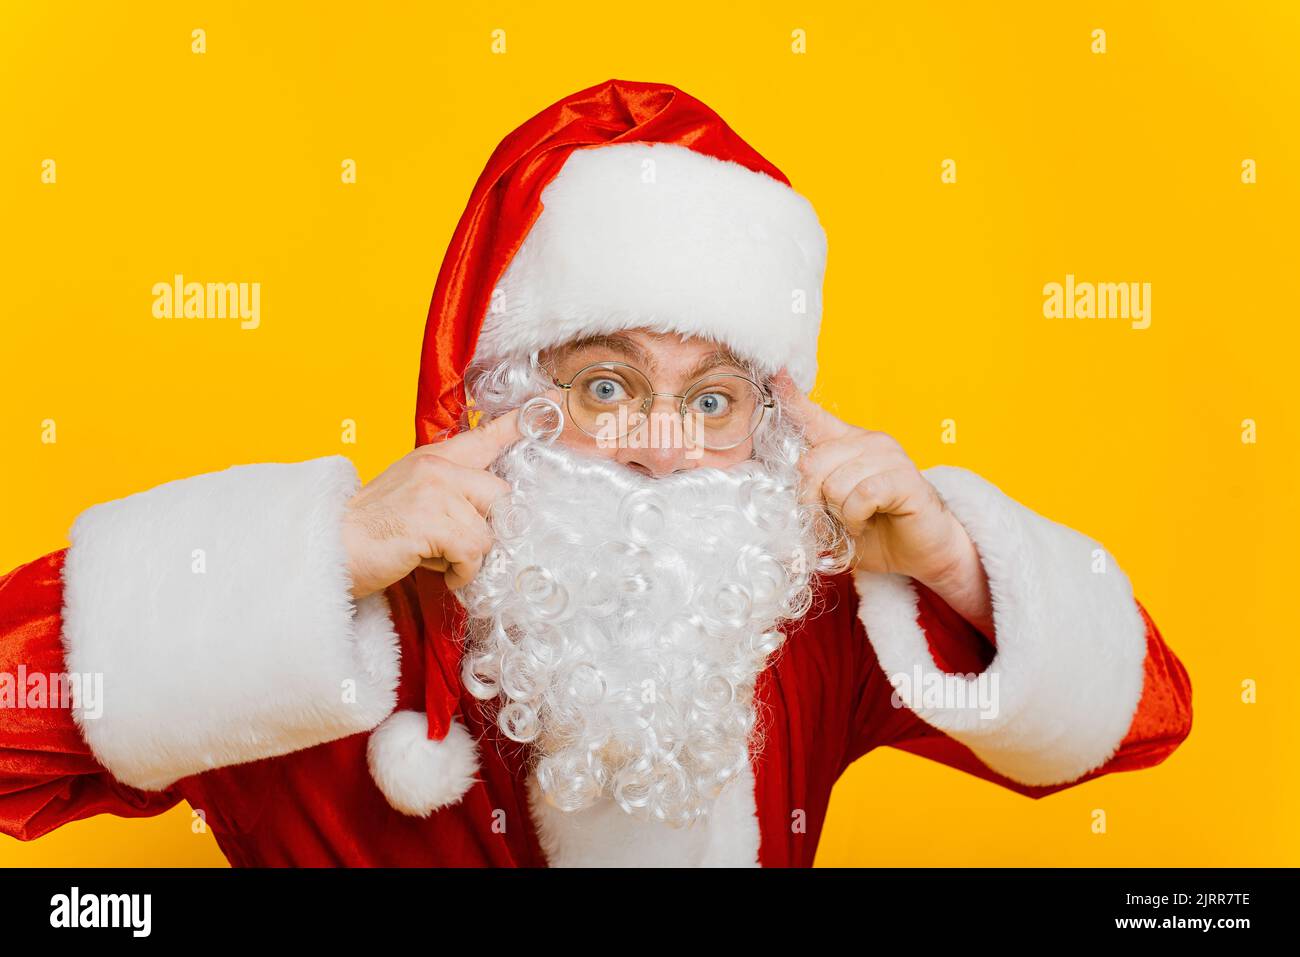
[[623, 205]]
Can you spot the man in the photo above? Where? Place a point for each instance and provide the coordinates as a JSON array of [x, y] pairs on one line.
[[546, 640]]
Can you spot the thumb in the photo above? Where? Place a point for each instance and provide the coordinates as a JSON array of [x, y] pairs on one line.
[[818, 424]]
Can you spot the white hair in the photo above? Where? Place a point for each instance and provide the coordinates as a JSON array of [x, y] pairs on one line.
[[620, 622]]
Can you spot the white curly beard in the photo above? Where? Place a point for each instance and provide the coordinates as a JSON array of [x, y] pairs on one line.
[[620, 622]]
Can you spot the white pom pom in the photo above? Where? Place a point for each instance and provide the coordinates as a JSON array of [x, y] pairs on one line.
[[419, 776]]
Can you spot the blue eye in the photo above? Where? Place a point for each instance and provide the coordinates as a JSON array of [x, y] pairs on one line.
[[711, 404], [607, 390]]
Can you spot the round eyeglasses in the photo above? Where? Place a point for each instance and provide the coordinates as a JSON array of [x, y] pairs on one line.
[[609, 400]]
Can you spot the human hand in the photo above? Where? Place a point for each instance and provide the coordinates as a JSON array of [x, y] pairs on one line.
[[896, 518], [428, 509]]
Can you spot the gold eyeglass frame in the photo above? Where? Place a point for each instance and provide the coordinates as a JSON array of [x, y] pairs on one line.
[[769, 403]]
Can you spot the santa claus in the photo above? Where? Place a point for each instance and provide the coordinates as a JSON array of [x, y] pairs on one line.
[[644, 612]]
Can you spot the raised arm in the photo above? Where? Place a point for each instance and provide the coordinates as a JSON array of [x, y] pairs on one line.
[[203, 623], [1075, 682]]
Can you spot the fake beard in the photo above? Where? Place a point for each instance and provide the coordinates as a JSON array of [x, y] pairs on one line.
[[621, 621]]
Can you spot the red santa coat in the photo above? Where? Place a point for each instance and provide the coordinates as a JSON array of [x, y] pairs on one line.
[[221, 688]]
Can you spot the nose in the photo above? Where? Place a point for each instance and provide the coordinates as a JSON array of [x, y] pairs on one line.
[[657, 446], [655, 462]]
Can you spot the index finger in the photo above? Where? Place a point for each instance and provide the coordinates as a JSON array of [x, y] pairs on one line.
[[818, 425], [478, 447]]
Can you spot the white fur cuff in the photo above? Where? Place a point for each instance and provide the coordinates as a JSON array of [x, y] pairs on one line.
[[217, 609], [1071, 642]]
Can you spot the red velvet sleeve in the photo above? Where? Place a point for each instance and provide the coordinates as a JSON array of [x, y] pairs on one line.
[[48, 775], [1162, 721]]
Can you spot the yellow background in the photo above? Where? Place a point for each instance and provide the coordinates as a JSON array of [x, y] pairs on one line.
[[1116, 167]]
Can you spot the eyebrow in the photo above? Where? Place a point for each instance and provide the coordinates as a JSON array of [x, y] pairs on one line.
[[714, 359], [629, 349], [615, 343]]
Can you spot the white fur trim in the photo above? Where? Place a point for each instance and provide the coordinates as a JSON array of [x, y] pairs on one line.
[[1071, 642], [418, 776], [262, 653], [604, 835], [702, 247]]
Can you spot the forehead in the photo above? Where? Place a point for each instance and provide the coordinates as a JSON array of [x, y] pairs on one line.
[[665, 353]]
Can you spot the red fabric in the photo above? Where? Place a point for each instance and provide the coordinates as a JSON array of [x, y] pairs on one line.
[[824, 703], [442, 685], [47, 774], [506, 201]]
